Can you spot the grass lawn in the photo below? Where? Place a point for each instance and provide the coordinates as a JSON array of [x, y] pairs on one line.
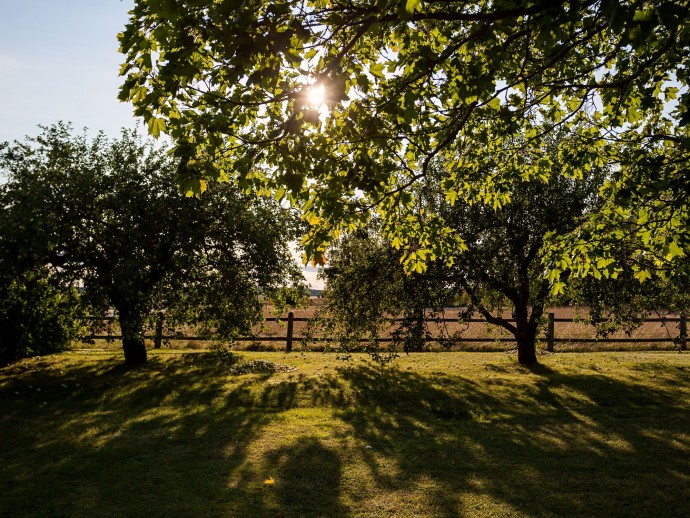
[[447, 434]]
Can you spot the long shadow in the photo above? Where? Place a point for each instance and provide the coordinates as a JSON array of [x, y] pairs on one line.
[[605, 433], [622, 443], [310, 479], [117, 454]]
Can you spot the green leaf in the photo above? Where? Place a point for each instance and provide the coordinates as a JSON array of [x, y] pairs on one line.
[[412, 5], [156, 126], [494, 103], [673, 250], [553, 275], [644, 15], [643, 275], [604, 262], [312, 218], [376, 69], [558, 288]]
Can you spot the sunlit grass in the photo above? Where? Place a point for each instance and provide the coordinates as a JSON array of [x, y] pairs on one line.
[[447, 434]]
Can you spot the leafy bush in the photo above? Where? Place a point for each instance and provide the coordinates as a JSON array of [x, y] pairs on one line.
[[36, 316]]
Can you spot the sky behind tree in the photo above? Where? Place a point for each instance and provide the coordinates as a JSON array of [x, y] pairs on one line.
[[59, 61]]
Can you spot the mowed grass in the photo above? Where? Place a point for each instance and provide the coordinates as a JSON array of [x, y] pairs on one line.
[[435, 434]]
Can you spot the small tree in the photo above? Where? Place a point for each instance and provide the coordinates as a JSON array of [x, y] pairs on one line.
[[366, 284], [622, 303], [501, 266], [108, 214]]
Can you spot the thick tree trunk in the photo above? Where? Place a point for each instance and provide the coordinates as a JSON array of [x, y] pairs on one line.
[[527, 350], [526, 332], [132, 326], [135, 350]]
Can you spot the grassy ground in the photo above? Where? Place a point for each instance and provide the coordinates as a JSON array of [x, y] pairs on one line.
[[453, 434]]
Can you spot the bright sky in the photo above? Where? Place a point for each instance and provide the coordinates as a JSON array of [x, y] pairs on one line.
[[59, 61]]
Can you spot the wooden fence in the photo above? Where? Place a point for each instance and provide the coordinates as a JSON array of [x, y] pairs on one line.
[[551, 338]]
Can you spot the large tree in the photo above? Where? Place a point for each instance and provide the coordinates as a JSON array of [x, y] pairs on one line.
[[411, 80], [107, 215]]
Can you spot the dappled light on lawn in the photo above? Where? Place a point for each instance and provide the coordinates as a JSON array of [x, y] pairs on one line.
[[452, 434]]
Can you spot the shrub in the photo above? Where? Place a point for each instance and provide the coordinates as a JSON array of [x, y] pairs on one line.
[[36, 316]]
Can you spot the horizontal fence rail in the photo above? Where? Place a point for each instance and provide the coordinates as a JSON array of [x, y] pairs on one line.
[[550, 338]]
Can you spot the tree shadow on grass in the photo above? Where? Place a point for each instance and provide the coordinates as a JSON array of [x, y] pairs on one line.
[[178, 437], [566, 445], [309, 483], [160, 441]]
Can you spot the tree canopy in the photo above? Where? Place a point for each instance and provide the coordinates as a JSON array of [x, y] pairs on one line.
[[107, 216], [410, 81]]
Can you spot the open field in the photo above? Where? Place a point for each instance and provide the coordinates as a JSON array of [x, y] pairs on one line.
[[574, 330], [453, 434]]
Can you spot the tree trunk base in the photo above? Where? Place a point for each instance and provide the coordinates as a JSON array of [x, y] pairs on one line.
[[527, 353], [135, 351]]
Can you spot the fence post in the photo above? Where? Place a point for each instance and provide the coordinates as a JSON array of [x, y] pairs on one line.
[[158, 339], [550, 333], [290, 324], [683, 332]]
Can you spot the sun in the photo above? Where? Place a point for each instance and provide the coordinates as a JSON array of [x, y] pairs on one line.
[[316, 96]]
